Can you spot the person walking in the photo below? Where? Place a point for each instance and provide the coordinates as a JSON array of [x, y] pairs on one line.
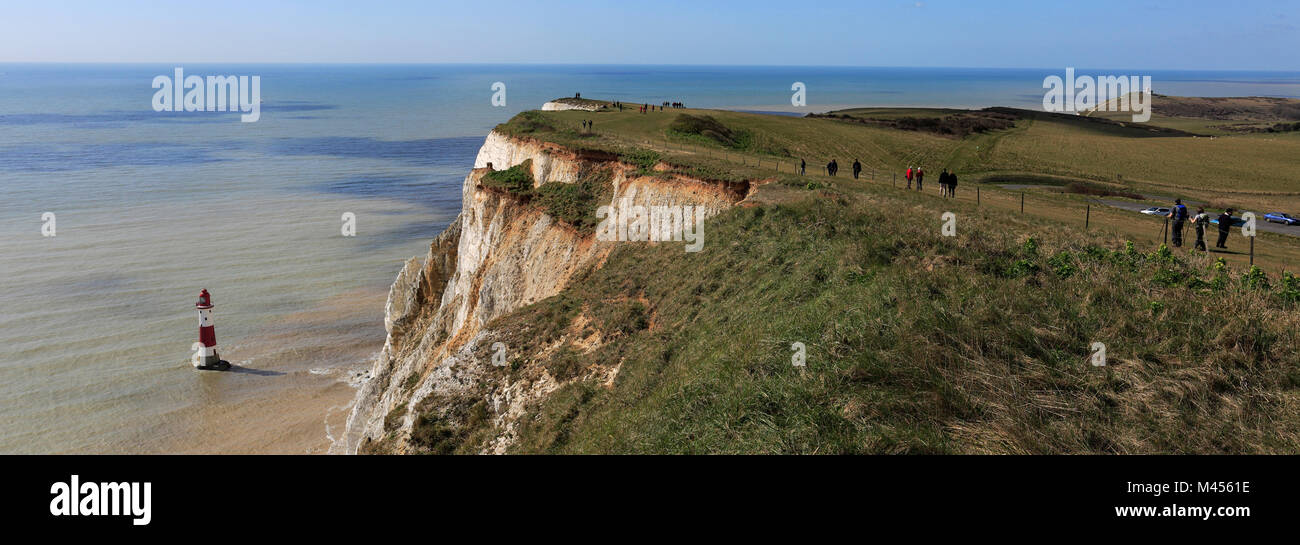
[[833, 168], [857, 169], [1199, 222], [1179, 215], [920, 177], [803, 166], [943, 182], [1225, 226], [909, 177], [952, 184]]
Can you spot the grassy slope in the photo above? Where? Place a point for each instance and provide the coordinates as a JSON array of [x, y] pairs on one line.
[[1253, 172], [1256, 170], [916, 342]]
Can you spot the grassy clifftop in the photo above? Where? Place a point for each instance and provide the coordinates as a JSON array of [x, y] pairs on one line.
[[916, 342]]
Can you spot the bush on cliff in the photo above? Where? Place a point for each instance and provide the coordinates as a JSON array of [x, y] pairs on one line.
[[576, 203], [517, 179]]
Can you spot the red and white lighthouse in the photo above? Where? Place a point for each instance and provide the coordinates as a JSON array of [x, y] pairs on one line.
[[206, 357]]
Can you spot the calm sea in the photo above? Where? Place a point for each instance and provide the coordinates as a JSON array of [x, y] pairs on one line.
[[96, 322]]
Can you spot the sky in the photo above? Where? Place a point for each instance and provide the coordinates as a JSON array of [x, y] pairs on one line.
[[1136, 34]]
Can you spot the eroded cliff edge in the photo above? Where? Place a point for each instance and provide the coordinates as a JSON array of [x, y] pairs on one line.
[[500, 254]]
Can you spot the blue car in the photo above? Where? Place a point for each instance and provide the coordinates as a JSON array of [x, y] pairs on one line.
[[1284, 219]]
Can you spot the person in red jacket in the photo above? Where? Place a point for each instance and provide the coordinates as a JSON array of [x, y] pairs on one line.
[[909, 177]]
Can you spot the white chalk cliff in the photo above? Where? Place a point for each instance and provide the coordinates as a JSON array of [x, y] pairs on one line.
[[498, 255]]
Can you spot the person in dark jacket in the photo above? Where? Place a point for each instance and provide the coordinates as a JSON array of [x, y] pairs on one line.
[[803, 167], [1179, 215], [952, 184], [857, 169], [1199, 222], [1225, 226]]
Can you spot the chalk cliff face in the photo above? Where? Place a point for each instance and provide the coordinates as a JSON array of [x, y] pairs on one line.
[[500, 254], [558, 106]]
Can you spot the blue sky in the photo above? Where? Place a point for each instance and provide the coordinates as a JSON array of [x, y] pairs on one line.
[[1138, 34]]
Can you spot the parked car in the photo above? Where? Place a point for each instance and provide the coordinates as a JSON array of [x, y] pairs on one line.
[[1156, 211], [1284, 219]]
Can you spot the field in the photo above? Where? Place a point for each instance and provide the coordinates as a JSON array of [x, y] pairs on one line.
[[914, 341], [1042, 153]]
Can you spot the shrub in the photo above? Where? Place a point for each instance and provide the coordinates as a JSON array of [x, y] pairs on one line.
[[645, 160], [1255, 278], [1022, 267], [517, 179], [1290, 289], [705, 126], [1063, 264], [1030, 247], [576, 203]]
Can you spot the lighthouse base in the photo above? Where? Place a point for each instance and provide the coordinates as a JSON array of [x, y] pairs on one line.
[[212, 363], [222, 365]]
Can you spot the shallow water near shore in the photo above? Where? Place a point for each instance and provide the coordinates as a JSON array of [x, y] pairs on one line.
[[96, 323]]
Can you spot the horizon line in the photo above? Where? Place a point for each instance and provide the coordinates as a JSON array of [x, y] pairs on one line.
[[696, 65]]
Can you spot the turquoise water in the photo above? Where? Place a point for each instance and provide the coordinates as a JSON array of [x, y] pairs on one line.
[[96, 322]]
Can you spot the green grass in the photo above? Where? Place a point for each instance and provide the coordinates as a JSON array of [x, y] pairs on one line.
[[1254, 171], [917, 343]]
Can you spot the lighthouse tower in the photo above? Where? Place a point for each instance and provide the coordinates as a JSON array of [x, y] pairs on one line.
[[207, 357]]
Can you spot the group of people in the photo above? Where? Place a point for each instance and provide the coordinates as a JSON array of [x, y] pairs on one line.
[[587, 124], [674, 105], [917, 174], [1201, 222], [948, 183], [833, 168], [947, 180]]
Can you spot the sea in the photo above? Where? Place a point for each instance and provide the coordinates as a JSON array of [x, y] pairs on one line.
[[113, 216]]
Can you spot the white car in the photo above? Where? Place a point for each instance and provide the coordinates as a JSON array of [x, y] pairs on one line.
[[1156, 211]]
